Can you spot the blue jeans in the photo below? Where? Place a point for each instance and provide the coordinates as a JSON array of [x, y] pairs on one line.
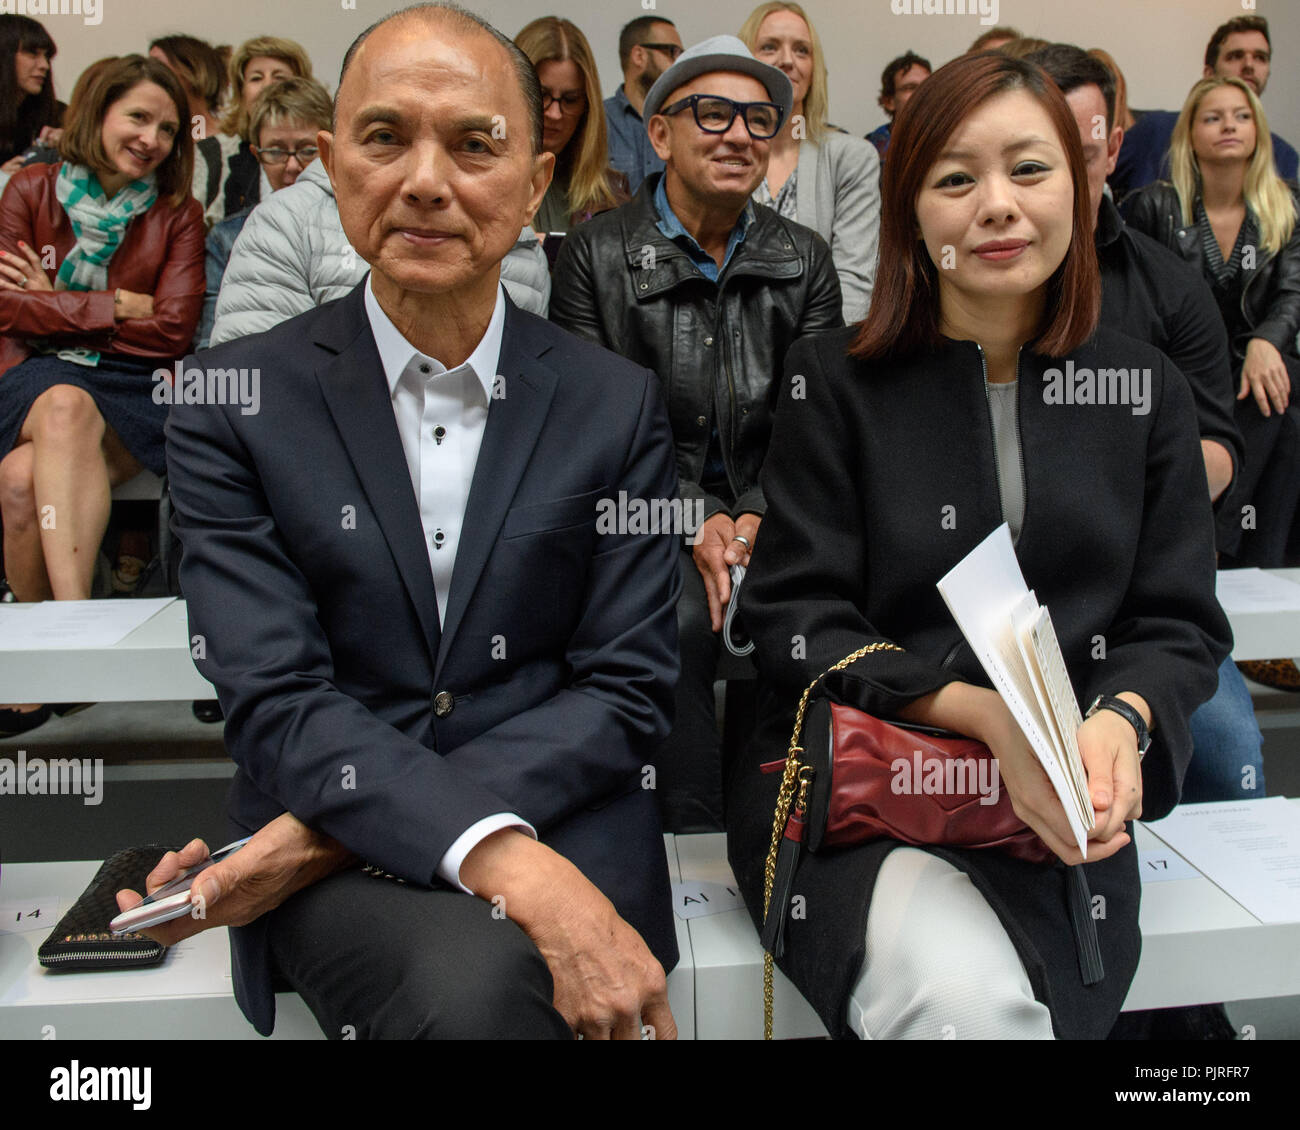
[[1227, 747]]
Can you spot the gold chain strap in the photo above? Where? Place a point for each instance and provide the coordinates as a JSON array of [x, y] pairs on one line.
[[785, 798]]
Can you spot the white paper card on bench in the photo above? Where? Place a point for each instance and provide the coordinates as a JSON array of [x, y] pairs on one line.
[[1162, 865], [1249, 848], [23, 916], [55, 625], [1254, 590], [695, 900]]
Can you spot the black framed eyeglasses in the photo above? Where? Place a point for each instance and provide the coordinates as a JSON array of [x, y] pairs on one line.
[[306, 154], [571, 102], [672, 50], [714, 114]]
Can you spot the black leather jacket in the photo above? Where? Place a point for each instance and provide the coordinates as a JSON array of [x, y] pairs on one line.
[[717, 348], [1270, 300]]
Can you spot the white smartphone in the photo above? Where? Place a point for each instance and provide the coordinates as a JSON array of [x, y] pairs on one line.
[[171, 900], [152, 914]]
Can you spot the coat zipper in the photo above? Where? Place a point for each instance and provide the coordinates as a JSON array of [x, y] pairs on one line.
[[1245, 290], [724, 346]]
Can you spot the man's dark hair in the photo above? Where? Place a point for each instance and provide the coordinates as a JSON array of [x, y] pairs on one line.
[[1241, 23], [462, 20], [636, 33], [1072, 67], [900, 66]]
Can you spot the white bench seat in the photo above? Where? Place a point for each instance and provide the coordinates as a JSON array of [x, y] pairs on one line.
[[1199, 946]]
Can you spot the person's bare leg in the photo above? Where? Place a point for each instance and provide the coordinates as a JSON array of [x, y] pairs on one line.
[[133, 545], [122, 465], [24, 560], [71, 479]]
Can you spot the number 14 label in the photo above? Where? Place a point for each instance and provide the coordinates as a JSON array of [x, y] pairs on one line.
[[26, 915]]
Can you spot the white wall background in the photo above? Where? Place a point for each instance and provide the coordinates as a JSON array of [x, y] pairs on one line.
[[1158, 43]]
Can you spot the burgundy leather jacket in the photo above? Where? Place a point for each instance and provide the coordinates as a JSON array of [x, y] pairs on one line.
[[161, 254]]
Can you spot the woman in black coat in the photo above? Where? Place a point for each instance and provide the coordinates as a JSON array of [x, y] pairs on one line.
[[898, 446], [1230, 216]]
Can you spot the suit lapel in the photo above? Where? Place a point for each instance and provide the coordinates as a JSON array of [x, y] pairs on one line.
[[516, 416], [356, 393]]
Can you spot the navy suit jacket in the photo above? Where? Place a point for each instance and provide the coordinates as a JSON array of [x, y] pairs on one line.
[[307, 576]]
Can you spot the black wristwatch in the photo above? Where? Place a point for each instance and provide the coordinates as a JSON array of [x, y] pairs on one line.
[[1124, 710]]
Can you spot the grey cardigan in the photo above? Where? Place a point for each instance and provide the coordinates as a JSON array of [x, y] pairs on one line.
[[838, 196]]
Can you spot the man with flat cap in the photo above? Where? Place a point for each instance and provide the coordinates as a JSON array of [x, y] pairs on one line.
[[693, 280], [431, 660]]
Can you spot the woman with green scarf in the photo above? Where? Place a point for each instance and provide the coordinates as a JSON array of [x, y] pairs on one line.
[[101, 283]]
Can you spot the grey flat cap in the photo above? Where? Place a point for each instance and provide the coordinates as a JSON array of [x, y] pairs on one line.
[[719, 53]]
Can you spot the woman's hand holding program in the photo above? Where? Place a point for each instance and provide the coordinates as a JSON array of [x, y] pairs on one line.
[[1033, 798]]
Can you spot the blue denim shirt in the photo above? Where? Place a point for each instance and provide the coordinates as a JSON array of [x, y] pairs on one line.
[[630, 151], [671, 227]]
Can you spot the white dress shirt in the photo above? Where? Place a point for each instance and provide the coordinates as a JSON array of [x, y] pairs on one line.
[[441, 415]]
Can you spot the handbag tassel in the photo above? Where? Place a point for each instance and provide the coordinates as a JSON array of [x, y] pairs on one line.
[[1087, 945], [787, 860]]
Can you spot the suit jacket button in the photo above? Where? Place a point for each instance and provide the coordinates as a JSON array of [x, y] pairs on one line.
[[442, 703]]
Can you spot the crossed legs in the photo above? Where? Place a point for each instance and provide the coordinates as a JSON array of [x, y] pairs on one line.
[[55, 494]]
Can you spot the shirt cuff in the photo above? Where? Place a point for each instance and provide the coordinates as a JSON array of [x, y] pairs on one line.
[[449, 866]]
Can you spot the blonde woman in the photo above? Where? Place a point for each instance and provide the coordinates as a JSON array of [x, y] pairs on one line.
[[1229, 214], [573, 126], [255, 65], [818, 176]]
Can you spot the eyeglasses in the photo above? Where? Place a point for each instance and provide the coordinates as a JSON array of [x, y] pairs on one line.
[[714, 114], [572, 102], [306, 154], [672, 50]]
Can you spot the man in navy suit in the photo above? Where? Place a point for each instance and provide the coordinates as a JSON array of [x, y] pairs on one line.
[[432, 659]]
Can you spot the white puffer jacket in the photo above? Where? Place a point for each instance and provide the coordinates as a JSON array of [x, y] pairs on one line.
[[292, 256]]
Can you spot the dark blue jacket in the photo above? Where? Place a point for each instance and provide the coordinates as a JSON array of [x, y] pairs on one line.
[[306, 573]]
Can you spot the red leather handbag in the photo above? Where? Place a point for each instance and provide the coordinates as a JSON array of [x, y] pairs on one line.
[[859, 778]]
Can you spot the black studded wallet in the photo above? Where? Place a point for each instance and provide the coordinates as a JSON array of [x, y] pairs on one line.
[[82, 941]]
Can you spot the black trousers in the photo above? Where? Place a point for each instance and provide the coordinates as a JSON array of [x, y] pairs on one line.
[[378, 959], [688, 765], [1269, 483]]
